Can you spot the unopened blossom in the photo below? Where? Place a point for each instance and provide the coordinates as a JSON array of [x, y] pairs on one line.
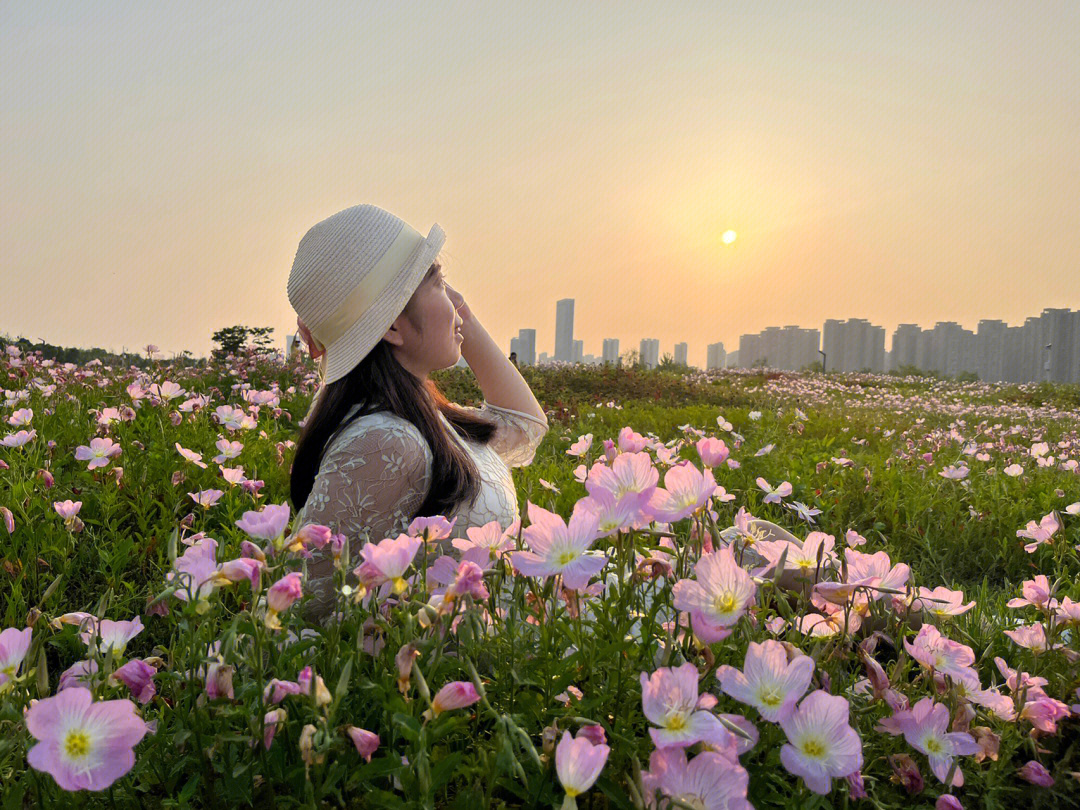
[[281, 595], [83, 744], [1043, 712], [272, 721], [907, 773], [138, 676], [455, 695], [717, 597], [366, 742], [925, 727], [78, 674], [947, 801], [9, 520], [312, 684], [310, 535], [98, 452], [14, 644], [669, 699], [578, 763], [1035, 773], [388, 560], [556, 547], [232, 571], [768, 682], [774, 495], [821, 745]]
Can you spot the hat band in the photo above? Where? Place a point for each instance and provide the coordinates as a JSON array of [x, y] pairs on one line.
[[371, 286]]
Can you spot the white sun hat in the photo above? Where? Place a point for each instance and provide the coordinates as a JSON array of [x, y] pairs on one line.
[[353, 274]]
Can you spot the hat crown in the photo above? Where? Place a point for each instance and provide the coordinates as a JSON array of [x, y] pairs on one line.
[[335, 255]]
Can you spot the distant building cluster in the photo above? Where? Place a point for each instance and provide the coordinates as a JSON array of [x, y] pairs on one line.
[[1046, 347]]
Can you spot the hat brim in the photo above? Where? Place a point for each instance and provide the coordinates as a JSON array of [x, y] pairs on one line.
[[343, 355]]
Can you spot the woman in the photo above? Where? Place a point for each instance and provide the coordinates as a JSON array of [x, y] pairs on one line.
[[381, 445]]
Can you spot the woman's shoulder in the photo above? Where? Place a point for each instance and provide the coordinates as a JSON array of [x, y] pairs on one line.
[[378, 427]]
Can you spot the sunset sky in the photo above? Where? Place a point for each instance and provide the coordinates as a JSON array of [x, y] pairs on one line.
[[905, 162]]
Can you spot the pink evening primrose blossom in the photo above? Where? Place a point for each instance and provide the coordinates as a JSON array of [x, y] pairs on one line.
[[431, 529], [366, 742], [611, 515], [206, 497], [268, 523], [455, 695], [712, 451], [630, 441], [1036, 592], [1035, 773], [934, 651], [489, 538], [280, 597], [67, 509], [669, 699], [1032, 636], [1040, 532], [581, 446], [191, 455], [194, 570], [19, 438], [629, 473], [578, 763], [821, 745], [925, 728], [942, 602], [774, 495], [686, 491], [768, 682], [98, 453], [717, 598], [83, 744], [556, 547], [109, 635], [14, 644], [227, 450], [710, 780], [138, 676], [388, 560], [954, 473]]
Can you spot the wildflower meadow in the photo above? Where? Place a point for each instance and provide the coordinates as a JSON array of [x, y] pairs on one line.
[[727, 589]]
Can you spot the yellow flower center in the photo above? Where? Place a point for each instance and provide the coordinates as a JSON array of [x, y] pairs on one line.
[[566, 557], [770, 696], [813, 748], [724, 603], [933, 745], [399, 585], [677, 722], [76, 744]]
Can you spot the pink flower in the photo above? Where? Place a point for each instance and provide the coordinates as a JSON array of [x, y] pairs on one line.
[[194, 571], [98, 453], [612, 515], [9, 519], [238, 570], [114, 636], [941, 602], [83, 744], [924, 727], [489, 538], [948, 802], [1036, 592], [389, 559], [1040, 532], [686, 491], [710, 780], [1043, 712], [66, 509], [954, 473], [206, 497], [365, 741], [630, 441], [719, 596], [821, 745], [936, 652], [455, 695], [713, 451], [138, 676], [267, 524], [1035, 773], [773, 495], [78, 674], [578, 763], [19, 438], [581, 446], [431, 528], [1032, 636], [669, 699], [768, 681], [228, 450], [191, 455], [272, 720], [560, 548], [284, 592], [629, 474], [14, 644]]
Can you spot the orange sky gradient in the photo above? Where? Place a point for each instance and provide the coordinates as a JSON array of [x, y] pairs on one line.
[[902, 162]]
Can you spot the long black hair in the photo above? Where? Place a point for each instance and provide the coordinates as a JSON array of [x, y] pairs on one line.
[[380, 383]]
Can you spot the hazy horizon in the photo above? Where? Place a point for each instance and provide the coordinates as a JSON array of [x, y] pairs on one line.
[[903, 163]]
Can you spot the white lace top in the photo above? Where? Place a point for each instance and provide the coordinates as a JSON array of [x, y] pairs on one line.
[[376, 472]]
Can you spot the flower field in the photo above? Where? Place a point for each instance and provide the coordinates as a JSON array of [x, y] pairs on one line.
[[726, 590]]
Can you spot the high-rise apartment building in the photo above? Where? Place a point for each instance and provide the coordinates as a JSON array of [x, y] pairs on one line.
[[715, 356], [611, 351], [680, 354], [564, 330], [649, 352]]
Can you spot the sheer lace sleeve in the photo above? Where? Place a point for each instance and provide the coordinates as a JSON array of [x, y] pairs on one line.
[[517, 436], [371, 481]]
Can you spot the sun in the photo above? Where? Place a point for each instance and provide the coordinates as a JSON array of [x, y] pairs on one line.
[[728, 237]]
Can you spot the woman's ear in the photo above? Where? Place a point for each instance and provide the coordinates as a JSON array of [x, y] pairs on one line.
[[393, 334]]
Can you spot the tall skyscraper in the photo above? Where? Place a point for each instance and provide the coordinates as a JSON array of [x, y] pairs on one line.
[[611, 351], [526, 347], [649, 352], [579, 352], [715, 356], [680, 353], [564, 330]]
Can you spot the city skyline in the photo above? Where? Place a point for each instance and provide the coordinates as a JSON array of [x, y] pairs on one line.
[[900, 163]]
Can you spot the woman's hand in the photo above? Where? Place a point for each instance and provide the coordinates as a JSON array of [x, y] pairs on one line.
[[315, 349]]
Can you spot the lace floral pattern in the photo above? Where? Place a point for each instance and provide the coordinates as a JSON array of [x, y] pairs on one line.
[[376, 472]]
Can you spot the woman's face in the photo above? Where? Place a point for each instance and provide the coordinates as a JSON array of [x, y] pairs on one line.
[[424, 336]]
